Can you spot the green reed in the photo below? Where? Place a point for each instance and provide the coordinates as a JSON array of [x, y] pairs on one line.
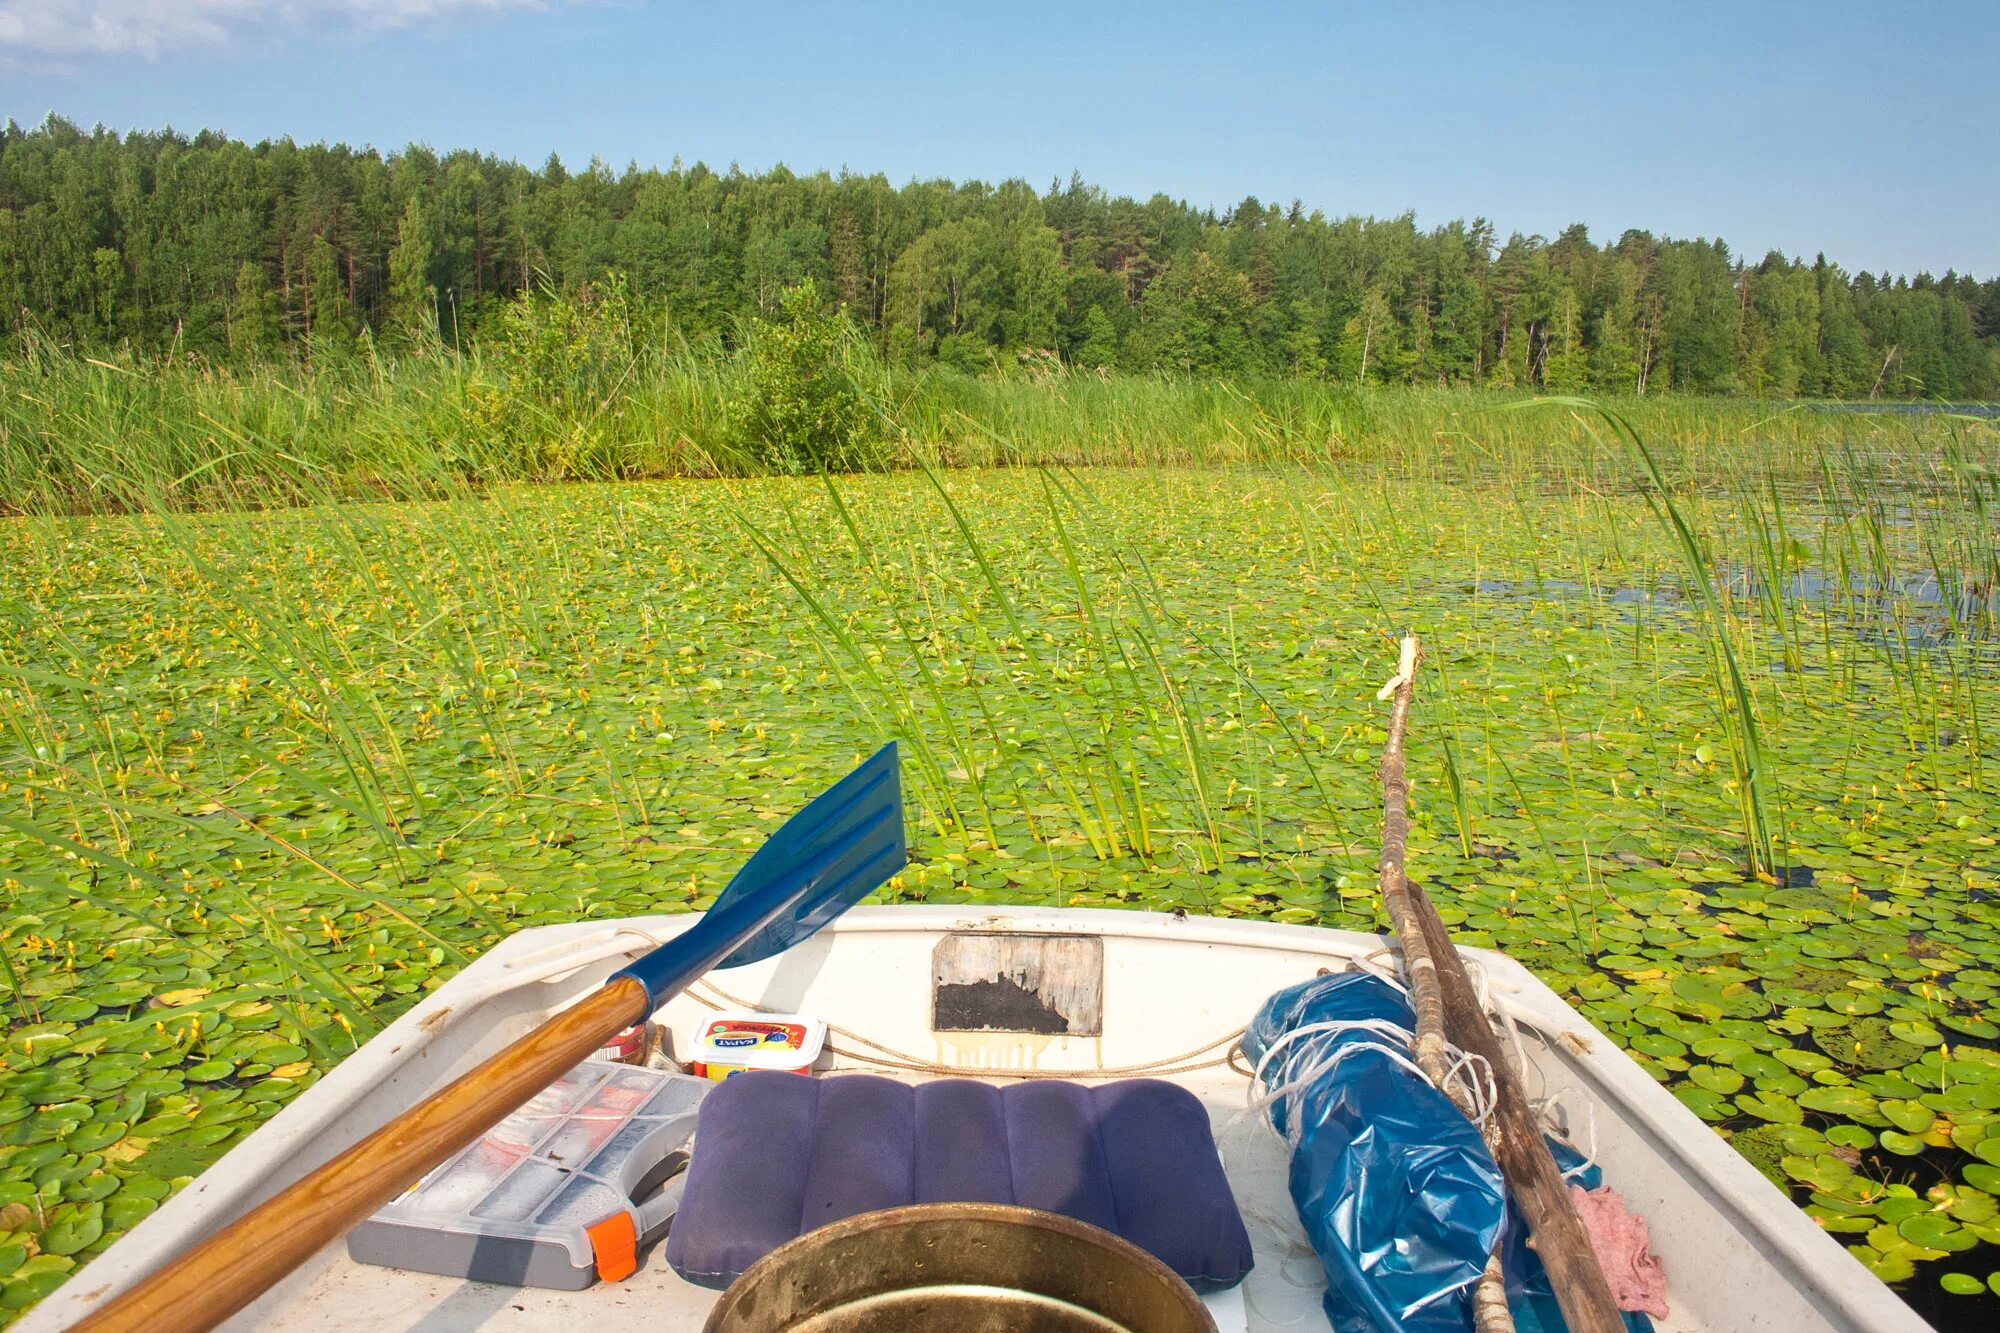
[[1756, 786], [82, 435]]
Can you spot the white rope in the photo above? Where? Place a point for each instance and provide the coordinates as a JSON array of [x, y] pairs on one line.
[[1280, 1232], [1485, 1098], [1302, 1062], [1379, 1026], [1325, 1064], [1289, 1079], [1589, 1157], [1476, 974], [1465, 1067], [1381, 971], [1522, 1062], [1185, 1062]]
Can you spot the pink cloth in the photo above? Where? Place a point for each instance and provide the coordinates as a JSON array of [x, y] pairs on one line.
[[1624, 1251]]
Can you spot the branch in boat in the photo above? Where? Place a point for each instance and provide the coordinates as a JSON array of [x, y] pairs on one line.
[[1490, 1312], [1448, 1013], [1489, 1298], [1515, 1136], [1431, 1054]]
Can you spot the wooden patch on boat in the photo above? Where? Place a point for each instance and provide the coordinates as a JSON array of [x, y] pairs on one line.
[[992, 982]]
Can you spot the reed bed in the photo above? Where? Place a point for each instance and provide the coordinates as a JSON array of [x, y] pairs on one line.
[[87, 435]]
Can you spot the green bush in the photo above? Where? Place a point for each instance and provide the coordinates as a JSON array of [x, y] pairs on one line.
[[553, 379], [803, 408]]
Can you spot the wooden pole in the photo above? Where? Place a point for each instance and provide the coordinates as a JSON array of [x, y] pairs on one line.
[[1448, 1012], [224, 1273], [1430, 1048], [1515, 1137]]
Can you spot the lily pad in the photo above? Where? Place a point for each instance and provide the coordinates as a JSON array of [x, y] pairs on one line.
[[1824, 1172], [72, 1228], [1867, 1043], [26, 1288], [1890, 1268], [1725, 1082], [1910, 1117], [1915, 1033], [1935, 1231], [1758, 1064], [1721, 1049], [1804, 1062], [1708, 1105], [1971, 1027], [1841, 1100], [1770, 1106]]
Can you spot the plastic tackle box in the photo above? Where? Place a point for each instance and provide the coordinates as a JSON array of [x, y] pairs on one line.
[[551, 1196]]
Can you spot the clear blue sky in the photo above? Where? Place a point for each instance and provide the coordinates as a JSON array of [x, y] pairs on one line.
[[1864, 130]]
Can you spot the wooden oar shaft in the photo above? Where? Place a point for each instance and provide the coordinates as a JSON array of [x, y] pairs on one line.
[[203, 1287]]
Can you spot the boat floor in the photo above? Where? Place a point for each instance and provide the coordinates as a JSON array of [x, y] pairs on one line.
[[1284, 1289]]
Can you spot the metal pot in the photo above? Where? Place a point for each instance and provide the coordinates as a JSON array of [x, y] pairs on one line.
[[966, 1267]]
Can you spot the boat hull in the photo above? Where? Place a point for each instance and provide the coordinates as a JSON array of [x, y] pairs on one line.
[[1175, 990]]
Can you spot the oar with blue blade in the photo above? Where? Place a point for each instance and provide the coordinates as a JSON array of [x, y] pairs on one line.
[[823, 860]]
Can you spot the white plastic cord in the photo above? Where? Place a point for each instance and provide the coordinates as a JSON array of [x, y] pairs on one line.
[[1281, 1234], [1380, 1026], [1313, 1072], [1371, 964], [1375, 964], [1482, 988], [1289, 1078], [570, 955], [1484, 1097], [1521, 1060], [1301, 1066], [1290, 1082]]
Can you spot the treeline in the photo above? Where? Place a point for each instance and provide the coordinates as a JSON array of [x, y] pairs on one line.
[[162, 244]]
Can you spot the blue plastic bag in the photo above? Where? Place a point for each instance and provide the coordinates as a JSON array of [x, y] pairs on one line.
[[1396, 1189]]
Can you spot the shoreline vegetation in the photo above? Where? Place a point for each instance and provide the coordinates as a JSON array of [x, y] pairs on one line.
[[558, 398]]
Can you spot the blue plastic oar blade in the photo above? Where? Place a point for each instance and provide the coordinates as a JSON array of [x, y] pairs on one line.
[[822, 861], [841, 848]]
